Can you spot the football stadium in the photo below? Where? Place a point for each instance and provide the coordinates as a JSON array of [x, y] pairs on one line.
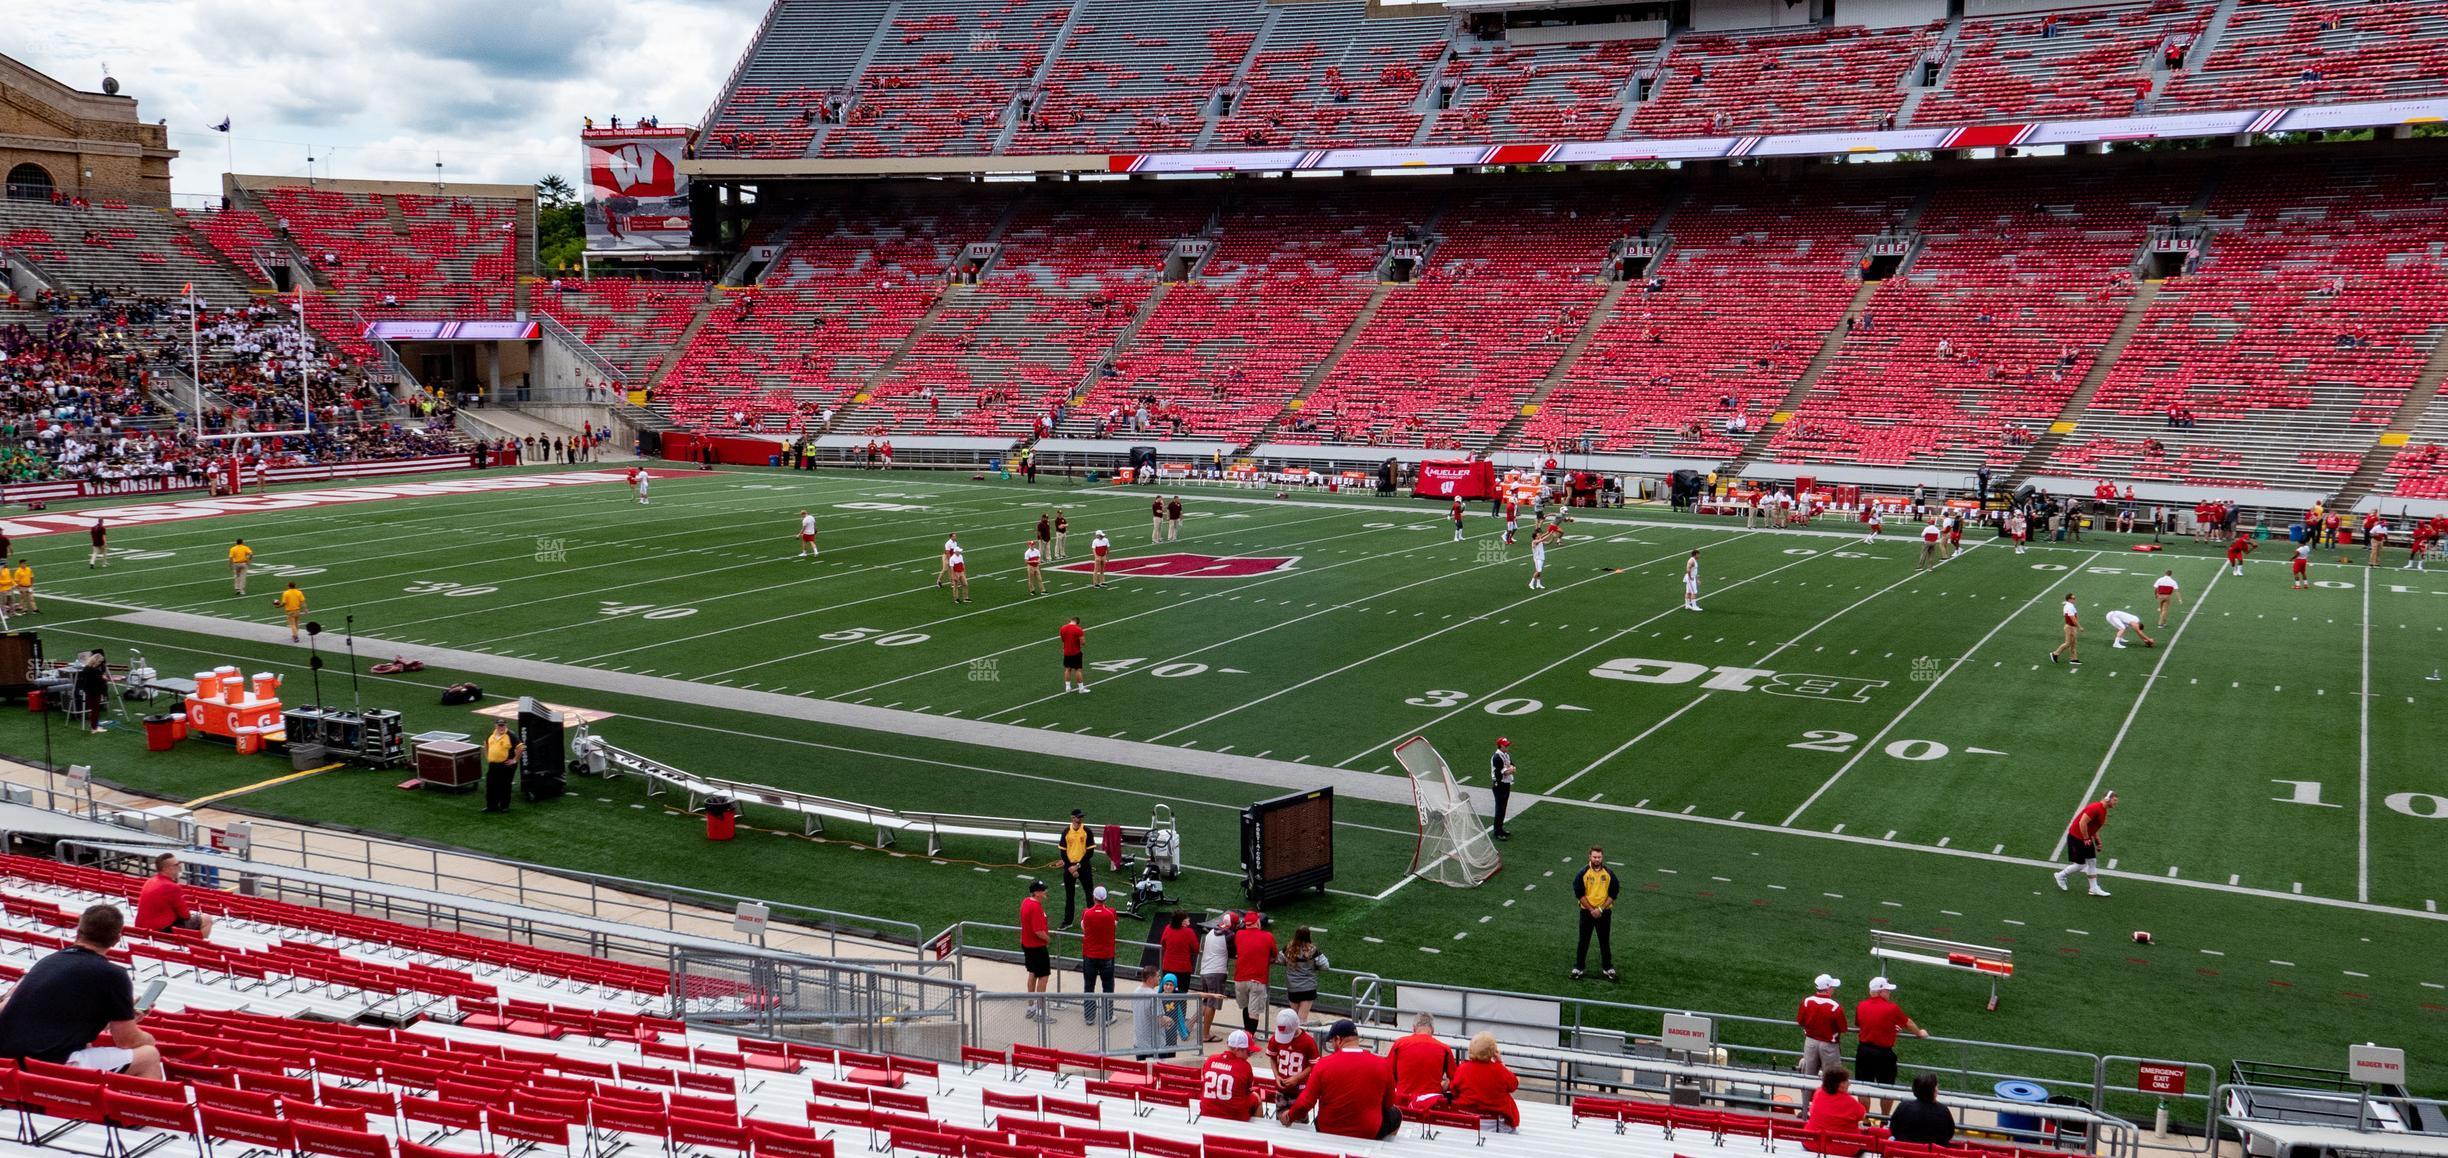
[[1252, 579]]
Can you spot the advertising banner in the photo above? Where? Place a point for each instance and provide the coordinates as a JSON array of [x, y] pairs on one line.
[[637, 199], [1466, 479]]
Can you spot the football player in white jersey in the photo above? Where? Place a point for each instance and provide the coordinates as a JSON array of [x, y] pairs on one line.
[[1691, 581], [807, 534], [2124, 621]]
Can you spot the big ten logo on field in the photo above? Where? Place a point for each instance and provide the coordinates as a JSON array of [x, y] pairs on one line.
[[1841, 689]]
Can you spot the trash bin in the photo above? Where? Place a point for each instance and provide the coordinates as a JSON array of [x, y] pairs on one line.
[[2077, 1134], [722, 819], [304, 756], [160, 733], [35, 700], [773, 460], [2027, 1093]]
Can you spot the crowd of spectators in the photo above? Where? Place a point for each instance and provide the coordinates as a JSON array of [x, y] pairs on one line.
[[253, 357]]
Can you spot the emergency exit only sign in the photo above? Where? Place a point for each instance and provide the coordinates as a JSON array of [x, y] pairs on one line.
[[2159, 1078]]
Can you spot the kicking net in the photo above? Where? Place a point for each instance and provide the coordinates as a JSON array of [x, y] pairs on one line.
[[1454, 848]]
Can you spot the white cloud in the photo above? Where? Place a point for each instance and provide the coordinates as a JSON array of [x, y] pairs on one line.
[[377, 90]]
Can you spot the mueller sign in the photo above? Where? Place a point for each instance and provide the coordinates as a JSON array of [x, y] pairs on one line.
[[1841, 689]]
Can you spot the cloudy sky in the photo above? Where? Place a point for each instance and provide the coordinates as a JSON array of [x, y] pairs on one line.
[[376, 89]]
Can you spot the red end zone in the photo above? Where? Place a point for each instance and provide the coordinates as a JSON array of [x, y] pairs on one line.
[[1184, 565], [177, 512]]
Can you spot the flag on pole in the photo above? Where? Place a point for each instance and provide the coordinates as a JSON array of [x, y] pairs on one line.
[[223, 127]]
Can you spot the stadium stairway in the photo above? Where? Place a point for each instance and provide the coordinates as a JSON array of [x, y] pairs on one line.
[[2046, 443], [1326, 365], [2418, 403], [1829, 346], [1556, 374]]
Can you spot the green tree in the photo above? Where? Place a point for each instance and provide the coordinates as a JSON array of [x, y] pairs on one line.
[[560, 225]]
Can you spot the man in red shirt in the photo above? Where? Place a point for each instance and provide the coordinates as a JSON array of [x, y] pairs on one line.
[[162, 904], [1035, 940], [1254, 953], [1351, 1089], [1422, 1064], [2236, 551], [1075, 655], [1097, 924], [1875, 1022], [1822, 1021], [1227, 1088], [2082, 843]]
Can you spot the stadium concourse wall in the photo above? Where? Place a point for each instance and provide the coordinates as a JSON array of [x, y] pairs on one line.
[[67, 489]]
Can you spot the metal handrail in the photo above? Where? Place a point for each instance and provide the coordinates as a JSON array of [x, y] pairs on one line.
[[586, 353]]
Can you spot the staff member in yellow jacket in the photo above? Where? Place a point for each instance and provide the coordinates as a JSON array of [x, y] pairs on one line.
[[1078, 876], [240, 555], [23, 576], [502, 752], [1595, 887], [292, 603], [8, 590]]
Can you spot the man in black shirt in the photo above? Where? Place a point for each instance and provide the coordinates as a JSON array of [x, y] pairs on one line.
[[1922, 1120], [70, 996]]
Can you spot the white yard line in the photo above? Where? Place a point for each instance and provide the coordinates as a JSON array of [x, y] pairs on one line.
[[2150, 681], [1456, 625], [1872, 744], [1053, 591], [1603, 641], [1779, 649], [2363, 760], [1231, 591]]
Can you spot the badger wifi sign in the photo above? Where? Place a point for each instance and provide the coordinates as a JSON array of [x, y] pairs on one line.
[[636, 197]]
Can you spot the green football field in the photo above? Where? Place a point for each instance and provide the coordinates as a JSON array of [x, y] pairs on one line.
[[1836, 744]]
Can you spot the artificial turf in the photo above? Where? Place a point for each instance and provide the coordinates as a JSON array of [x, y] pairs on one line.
[[1835, 744]]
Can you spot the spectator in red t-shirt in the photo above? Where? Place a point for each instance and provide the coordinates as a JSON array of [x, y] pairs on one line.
[[1097, 923], [162, 904], [1178, 946], [1421, 1063], [1227, 1088], [1834, 1109], [1483, 1085], [1822, 1021], [1254, 953], [1291, 1051], [1351, 1090], [1876, 1021], [1035, 940]]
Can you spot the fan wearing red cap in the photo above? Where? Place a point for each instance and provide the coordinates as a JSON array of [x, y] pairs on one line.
[[1500, 774]]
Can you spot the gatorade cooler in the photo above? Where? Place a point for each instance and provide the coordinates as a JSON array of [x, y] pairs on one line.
[[178, 726], [267, 686], [159, 735], [250, 741], [208, 685]]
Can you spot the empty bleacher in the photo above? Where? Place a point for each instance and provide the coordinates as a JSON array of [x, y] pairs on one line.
[[1975, 349], [2298, 52], [934, 77], [1751, 283], [2293, 345], [2088, 62], [634, 324], [107, 246], [1135, 77]]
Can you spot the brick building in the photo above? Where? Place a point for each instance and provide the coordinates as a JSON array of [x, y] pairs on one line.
[[88, 144]]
